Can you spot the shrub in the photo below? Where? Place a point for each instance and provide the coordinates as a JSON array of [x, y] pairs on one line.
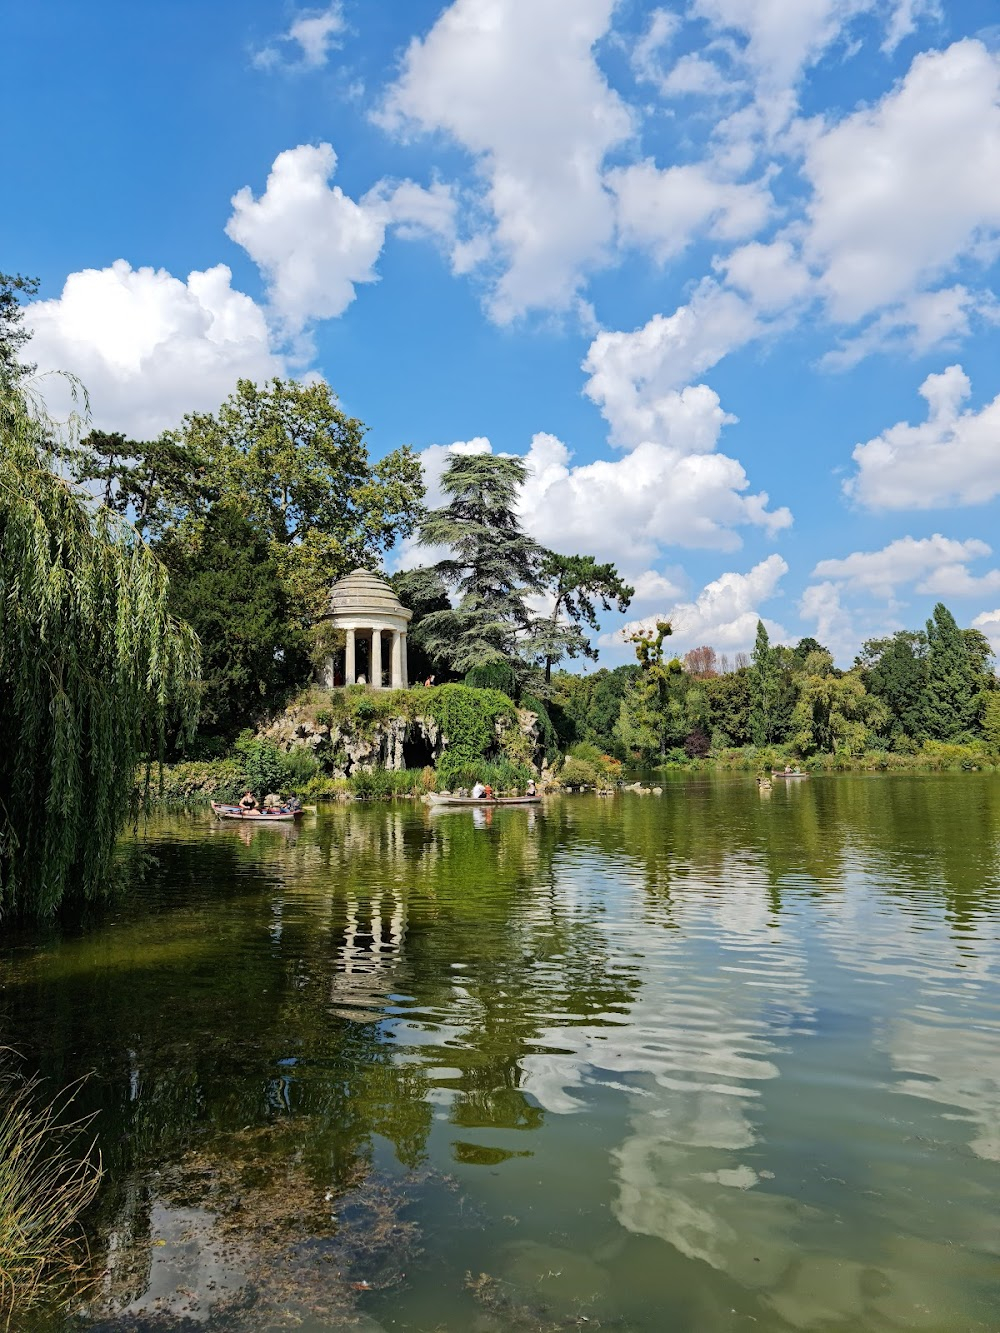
[[494, 676], [579, 773], [301, 766], [264, 766]]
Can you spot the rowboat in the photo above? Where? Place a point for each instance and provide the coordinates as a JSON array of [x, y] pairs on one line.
[[434, 799], [780, 773], [255, 816]]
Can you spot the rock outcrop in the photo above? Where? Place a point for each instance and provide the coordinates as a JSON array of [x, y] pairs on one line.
[[351, 745]]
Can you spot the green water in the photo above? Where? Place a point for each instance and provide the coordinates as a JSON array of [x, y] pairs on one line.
[[714, 1060]]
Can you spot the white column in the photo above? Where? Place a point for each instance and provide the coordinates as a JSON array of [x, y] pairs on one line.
[[397, 660], [349, 659], [404, 679], [376, 680]]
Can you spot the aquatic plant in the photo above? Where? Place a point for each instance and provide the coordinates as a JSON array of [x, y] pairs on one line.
[[49, 1174]]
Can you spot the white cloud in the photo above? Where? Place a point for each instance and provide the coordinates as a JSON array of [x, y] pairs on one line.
[[821, 606], [693, 75], [906, 561], [517, 85], [905, 18], [781, 40], [314, 243], [150, 347], [772, 276], [950, 459], [314, 33], [663, 27], [637, 379], [724, 614], [905, 188], [652, 586], [989, 623], [663, 210], [626, 509], [924, 321]]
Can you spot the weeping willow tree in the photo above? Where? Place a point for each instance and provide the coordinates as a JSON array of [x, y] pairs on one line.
[[91, 667]]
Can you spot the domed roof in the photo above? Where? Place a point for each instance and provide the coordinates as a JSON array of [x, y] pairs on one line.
[[363, 593]]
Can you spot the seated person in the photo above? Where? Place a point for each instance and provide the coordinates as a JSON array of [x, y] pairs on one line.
[[478, 791], [248, 801], [530, 789], [293, 803], [488, 792]]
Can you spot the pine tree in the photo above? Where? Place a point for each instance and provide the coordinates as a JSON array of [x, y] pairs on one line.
[[492, 568]]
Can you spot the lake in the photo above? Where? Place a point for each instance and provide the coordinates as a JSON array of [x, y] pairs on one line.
[[711, 1060]]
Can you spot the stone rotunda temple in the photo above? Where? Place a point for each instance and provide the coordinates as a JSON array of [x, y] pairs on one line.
[[374, 622]]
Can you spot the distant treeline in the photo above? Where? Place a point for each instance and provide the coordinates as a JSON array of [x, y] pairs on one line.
[[936, 684]]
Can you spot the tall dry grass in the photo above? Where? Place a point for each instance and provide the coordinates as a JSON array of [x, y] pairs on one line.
[[50, 1171]]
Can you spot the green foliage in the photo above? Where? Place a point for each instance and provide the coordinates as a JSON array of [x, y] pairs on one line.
[[895, 671], [991, 721], [264, 768], [92, 666], [492, 567], [225, 583], [578, 773], [382, 784], [952, 696], [546, 731], [14, 287], [469, 719], [765, 685], [575, 583], [494, 676]]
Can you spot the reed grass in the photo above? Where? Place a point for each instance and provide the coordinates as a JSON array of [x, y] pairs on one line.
[[50, 1171]]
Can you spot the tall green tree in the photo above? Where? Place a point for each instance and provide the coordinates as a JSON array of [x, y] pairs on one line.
[[765, 690], [575, 583], [225, 583], [91, 666], [952, 692], [492, 568], [156, 483], [14, 287], [894, 670]]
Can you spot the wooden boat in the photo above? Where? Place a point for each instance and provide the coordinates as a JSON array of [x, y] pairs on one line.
[[780, 773], [434, 799], [279, 816]]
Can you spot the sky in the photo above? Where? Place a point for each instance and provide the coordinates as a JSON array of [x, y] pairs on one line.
[[722, 272]]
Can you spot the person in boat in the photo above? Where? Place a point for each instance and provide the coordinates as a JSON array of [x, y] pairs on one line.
[[488, 792], [248, 801], [293, 803], [478, 791], [531, 789]]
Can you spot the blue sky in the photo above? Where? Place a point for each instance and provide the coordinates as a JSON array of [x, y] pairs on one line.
[[722, 271]]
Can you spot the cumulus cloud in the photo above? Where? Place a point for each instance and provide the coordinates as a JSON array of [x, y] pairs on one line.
[[664, 209], [149, 346], [936, 565], [950, 459], [638, 379], [772, 276], [518, 87], [307, 44], [904, 188], [724, 614], [626, 509], [314, 243], [922, 322], [989, 623], [904, 19]]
